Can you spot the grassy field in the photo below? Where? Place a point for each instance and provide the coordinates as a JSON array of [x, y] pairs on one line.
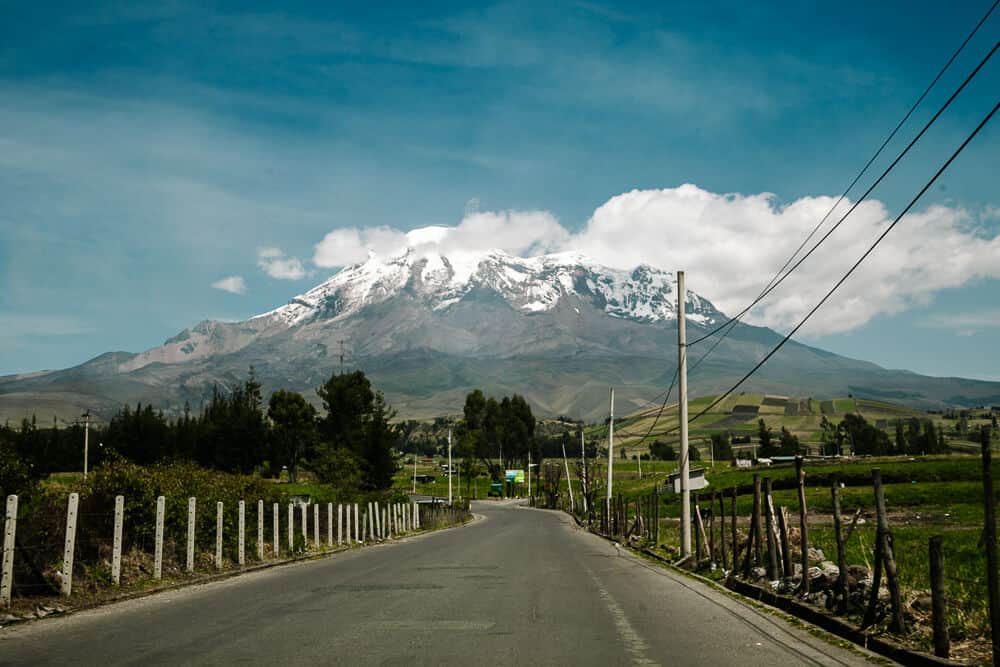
[[740, 413], [925, 496]]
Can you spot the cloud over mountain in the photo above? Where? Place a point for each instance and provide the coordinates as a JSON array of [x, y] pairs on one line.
[[730, 245]]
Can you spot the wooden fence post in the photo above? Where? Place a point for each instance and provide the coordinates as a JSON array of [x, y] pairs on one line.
[[260, 529], [276, 528], [800, 476], [656, 515], [724, 556], [734, 536], [241, 526], [786, 554], [191, 526], [69, 550], [772, 542], [838, 534], [218, 535], [891, 575], [7, 567], [939, 601], [116, 541], [755, 528], [990, 540], [711, 530]]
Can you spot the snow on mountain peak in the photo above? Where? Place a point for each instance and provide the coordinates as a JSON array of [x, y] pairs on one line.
[[529, 284]]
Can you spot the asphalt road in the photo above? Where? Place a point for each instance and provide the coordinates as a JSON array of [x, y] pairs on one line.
[[517, 587]]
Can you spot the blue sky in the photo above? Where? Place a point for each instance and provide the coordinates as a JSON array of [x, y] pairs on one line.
[[147, 153]]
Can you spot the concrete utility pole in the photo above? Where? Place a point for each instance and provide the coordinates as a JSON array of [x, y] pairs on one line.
[[86, 440], [449, 465], [611, 448], [683, 423], [569, 482]]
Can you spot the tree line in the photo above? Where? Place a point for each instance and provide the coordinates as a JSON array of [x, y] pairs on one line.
[[350, 442]]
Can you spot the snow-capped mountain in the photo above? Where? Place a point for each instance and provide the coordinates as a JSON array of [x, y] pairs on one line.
[[428, 327], [531, 285]]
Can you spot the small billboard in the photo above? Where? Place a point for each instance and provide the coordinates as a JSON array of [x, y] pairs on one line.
[[515, 476]]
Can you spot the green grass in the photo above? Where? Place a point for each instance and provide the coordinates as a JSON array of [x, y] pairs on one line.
[[927, 496]]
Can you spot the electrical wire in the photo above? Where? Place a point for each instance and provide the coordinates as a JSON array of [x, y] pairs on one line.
[[854, 267], [774, 280]]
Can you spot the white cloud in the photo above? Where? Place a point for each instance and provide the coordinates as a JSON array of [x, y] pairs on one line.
[[275, 264], [517, 232], [232, 284], [731, 245]]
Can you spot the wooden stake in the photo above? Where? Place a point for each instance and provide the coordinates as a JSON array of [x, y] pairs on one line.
[[772, 542], [990, 540], [841, 555], [734, 536], [895, 599], [803, 527], [722, 528], [755, 528], [939, 601], [786, 553]]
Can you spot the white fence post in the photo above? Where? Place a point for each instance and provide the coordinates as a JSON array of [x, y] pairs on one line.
[[277, 532], [378, 522], [192, 515], [357, 532], [347, 529], [67, 568], [371, 521], [218, 535], [7, 569], [241, 529], [291, 529], [305, 528], [329, 524], [116, 541], [340, 523], [416, 515], [260, 530], [158, 543], [316, 525]]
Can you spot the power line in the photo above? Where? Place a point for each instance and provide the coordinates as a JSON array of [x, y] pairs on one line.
[[850, 271], [729, 325], [775, 281]]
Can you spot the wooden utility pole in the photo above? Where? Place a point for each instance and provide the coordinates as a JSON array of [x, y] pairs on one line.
[[683, 417]]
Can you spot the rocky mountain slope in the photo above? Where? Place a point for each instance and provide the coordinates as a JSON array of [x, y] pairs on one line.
[[429, 327]]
